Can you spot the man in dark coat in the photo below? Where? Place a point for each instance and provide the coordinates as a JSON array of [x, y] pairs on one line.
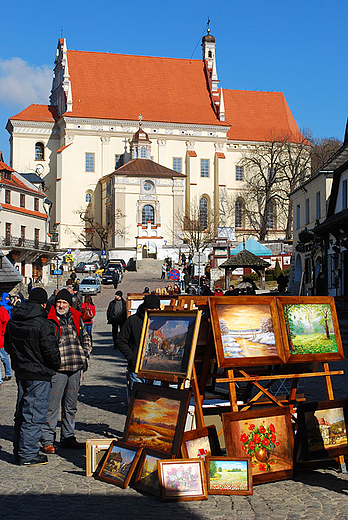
[[129, 338], [32, 345], [116, 314]]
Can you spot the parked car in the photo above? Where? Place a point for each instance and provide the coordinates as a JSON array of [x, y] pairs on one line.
[[110, 264], [90, 285], [108, 276], [84, 267], [113, 266]]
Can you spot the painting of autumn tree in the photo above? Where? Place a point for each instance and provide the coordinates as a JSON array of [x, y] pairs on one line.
[[310, 328]]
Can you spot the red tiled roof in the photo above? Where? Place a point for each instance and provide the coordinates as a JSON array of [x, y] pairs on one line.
[[145, 168], [37, 113], [14, 182], [4, 166], [259, 116], [220, 155], [23, 210], [119, 86], [63, 147], [192, 153]]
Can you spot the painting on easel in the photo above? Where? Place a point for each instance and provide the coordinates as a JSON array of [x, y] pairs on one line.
[[310, 328], [246, 331]]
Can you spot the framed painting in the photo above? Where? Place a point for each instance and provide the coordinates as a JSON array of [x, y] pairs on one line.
[[197, 300], [310, 328], [182, 479], [119, 464], [266, 436], [156, 417], [246, 331], [167, 345], [146, 478], [229, 476], [95, 451], [200, 443], [322, 429], [134, 300]]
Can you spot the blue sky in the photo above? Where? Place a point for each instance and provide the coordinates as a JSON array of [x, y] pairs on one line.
[[295, 47]]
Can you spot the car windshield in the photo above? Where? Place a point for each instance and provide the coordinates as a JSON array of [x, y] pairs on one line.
[[87, 281]]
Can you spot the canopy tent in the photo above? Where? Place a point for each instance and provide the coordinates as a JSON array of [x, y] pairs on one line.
[[245, 259], [253, 246]]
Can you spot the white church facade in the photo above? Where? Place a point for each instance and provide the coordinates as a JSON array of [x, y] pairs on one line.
[[196, 134]]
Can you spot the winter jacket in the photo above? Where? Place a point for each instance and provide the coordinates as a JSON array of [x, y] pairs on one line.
[[31, 343], [91, 307], [5, 302], [4, 317], [122, 315], [129, 338]]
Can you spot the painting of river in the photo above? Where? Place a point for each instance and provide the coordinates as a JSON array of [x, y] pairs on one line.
[[246, 331]]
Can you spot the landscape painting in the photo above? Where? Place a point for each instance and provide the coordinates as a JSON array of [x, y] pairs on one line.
[[168, 345], [264, 435], [246, 333], [156, 417], [119, 464], [229, 476], [323, 428], [146, 478]]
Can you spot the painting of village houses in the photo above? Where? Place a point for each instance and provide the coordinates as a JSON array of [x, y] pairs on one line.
[[326, 429], [119, 465], [168, 344], [246, 333]]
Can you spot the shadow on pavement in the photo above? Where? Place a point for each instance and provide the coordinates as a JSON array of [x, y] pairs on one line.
[[337, 483]]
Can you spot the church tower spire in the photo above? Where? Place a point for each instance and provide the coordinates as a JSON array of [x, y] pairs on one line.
[[208, 46], [140, 144]]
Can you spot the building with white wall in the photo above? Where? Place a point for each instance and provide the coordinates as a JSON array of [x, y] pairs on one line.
[[194, 128]]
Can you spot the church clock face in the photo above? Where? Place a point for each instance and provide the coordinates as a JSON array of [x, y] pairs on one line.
[[148, 186]]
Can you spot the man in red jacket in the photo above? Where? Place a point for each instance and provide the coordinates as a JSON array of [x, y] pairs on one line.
[[74, 347]]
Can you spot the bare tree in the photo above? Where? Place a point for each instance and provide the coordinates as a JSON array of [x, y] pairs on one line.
[[196, 230], [322, 151], [94, 233]]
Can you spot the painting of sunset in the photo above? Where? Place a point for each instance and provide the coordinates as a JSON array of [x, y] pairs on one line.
[[246, 331], [153, 421]]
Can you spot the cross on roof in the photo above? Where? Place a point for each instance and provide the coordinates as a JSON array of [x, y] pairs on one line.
[[140, 117]]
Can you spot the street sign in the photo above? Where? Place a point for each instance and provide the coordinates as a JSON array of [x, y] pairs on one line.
[[77, 252], [69, 251], [103, 253], [57, 272], [199, 258], [174, 274], [69, 257], [201, 272]]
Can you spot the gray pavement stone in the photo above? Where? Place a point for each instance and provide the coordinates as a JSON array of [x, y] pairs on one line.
[[60, 489]]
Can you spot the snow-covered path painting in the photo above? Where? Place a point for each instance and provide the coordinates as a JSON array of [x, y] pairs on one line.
[[246, 330]]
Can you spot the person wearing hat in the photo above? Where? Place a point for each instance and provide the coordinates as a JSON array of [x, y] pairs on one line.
[[116, 314], [129, 338], [33, 347], [74, 347]]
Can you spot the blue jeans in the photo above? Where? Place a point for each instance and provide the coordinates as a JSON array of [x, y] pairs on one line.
[[6, 362], [88, 327], [131, 379], [31, 409]]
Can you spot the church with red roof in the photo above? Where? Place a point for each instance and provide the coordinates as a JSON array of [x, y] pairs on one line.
[[145, 138]]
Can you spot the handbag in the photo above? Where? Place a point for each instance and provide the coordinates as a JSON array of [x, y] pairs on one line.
[[87, 314]]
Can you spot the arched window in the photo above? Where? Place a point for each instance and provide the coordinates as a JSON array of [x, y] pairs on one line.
[[270, 216], [143, 152], [39, 152], [239, 210], [148, 215], [203, 212], [88, 197]]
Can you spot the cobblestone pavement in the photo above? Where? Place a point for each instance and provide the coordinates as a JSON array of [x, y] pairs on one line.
[[60, 489]]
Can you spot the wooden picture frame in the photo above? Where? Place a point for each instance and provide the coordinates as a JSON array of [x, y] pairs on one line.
[[198, 300], [310, 328], [322, 429], [119, 464], [96, 450], [255, 338], [200, 443], [182, 479], [168, 344], [156, 409], [229, 475], [136, 299], [266, 436], [146, 477]]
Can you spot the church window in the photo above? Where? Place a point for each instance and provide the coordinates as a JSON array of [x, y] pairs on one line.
[[39, 152], [210, 54], [239, 173], [108, 188], [239, 210], [88, 197], [148, 185], [148, 215], [89, 162], [143, 152], [118, 161], [204, 167], [177, 165], [203, 212]]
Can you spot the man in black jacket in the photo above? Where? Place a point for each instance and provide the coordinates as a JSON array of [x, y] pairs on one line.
[[116, 314], [129, 338], [33, 347]]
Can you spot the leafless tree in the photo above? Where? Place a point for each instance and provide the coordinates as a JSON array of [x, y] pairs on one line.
[[322, 151]]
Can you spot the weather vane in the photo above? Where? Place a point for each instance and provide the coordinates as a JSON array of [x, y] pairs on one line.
[[140, 117], [208, 22]]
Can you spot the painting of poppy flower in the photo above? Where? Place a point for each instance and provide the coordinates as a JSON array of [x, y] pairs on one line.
[[264, 435]]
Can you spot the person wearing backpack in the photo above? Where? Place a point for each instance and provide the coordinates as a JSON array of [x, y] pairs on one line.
[[116, 314], [88, 313]]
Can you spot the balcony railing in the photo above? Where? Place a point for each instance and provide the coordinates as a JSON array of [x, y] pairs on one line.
[[25, 243]]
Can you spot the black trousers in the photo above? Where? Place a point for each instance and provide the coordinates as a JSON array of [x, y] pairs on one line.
[[116, 327]]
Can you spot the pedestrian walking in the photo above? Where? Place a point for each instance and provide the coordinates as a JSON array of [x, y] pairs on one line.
[[129, 339], [88, 313], [116, 315], [164, 269], [75, 347], [4, 318], [32, 345]]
